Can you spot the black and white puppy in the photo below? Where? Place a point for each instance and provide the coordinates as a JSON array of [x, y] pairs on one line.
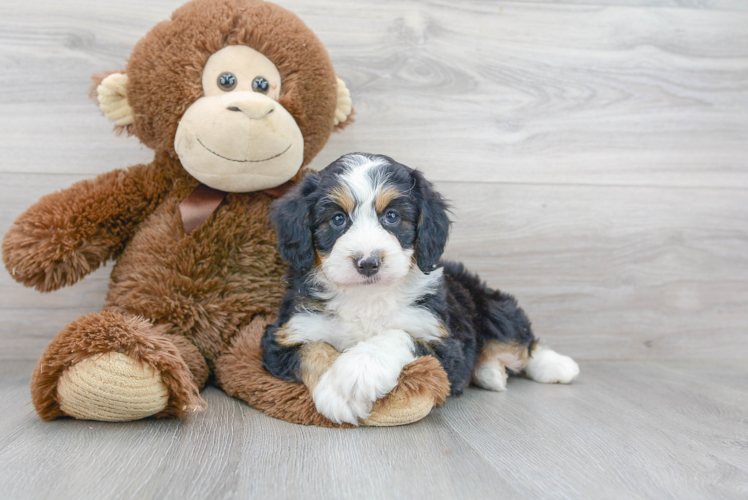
[[363, 239]]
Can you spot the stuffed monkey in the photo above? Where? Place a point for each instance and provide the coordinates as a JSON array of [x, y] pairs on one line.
[[235, 97]]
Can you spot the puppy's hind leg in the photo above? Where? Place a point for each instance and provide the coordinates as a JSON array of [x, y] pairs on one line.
[[549, 367], [490, 374], [495, 359]]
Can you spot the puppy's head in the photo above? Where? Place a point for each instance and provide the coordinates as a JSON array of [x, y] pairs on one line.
[[364, 219]]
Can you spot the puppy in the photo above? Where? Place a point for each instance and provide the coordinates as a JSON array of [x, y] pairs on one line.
[[363, 240]]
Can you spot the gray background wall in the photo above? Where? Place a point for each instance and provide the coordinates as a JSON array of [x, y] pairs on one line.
[[595, 151]]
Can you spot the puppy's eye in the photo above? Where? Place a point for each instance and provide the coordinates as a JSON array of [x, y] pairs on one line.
[[260, 84], [226, 81], [338, 220], [391, 217]]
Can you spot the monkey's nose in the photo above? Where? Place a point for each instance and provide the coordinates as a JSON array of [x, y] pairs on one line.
[[252, 105], [369, 266], [253, 110]]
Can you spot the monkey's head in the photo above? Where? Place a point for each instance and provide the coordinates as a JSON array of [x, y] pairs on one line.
[[241, 91]]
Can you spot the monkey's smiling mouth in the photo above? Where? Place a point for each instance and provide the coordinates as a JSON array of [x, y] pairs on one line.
[[242, 161]]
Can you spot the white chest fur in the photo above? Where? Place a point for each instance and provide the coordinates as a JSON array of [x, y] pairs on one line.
[[358, 313]]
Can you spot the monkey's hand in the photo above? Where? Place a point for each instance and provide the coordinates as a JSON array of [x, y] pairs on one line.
[[70, 233]]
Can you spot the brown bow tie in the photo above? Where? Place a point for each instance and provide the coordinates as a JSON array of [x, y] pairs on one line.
[[203, 201]]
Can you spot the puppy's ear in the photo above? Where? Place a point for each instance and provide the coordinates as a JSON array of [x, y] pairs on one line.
[[291, 216], [433, 223]]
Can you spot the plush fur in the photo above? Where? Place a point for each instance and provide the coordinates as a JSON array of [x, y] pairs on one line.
[[241, 374], [363, 240], [186, 304], [200, 28], [111, 332]]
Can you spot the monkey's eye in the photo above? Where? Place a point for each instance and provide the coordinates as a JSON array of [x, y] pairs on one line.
[[226, 81], [260, 84], [338, 220], [391, 217]]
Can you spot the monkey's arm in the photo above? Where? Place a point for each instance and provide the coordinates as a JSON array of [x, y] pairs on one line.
[[68, 234]]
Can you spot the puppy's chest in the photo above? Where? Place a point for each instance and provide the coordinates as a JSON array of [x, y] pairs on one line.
[[351, 322], [368, 317]]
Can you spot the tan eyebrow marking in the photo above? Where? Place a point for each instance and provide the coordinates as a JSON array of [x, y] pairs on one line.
[[385, 196], [343, 197]]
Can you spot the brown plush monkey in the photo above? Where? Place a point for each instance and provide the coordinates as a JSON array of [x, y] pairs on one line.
[[235, 97]]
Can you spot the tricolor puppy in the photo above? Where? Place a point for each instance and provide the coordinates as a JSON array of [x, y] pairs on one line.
[[363, 240]]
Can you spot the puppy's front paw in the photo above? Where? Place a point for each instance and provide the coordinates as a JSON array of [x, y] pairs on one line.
[[333, 403], [348, 390]]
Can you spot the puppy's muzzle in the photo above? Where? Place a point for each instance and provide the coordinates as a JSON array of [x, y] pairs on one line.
[[368, 266]]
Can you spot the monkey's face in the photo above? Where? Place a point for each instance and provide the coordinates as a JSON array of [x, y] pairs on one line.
[[241, 91], [238, 137]]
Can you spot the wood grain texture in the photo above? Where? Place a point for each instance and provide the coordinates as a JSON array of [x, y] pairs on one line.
[[580, 121], [603, 271], [687, 4], [595, 154], [523, 92], [614, 272], [665, 429]]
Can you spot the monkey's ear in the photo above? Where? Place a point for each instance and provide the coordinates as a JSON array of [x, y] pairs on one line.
[[112, 96], [344, 108]]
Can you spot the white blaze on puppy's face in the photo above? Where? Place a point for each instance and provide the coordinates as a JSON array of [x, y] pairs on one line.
[[237, 137], [365, 238]]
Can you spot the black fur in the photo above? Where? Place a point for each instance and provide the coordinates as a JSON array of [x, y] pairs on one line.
[[472, 312], [301, 214], [280, 361], [433, 223], [290, 214]]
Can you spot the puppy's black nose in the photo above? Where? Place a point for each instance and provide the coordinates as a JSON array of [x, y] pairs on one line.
[[368, 267]]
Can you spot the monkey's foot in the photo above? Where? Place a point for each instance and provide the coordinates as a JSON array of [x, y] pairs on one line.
[[113, 368], [111, 387], [423, 384]]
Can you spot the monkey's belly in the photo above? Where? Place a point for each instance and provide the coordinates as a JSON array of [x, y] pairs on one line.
[[206, 285]]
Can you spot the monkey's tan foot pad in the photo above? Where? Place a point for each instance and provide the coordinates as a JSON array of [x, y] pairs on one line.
[[400, 411], [111, 387], [97, 367], [423, 384]]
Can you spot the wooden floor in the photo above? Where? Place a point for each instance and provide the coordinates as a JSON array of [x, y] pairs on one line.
[[627, 429], [596, 154]]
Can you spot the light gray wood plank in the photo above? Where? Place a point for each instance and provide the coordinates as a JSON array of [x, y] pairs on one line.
[[482, 91], [626, 430], [604, 272], [555, 94], [683, 4], [623, 430], [614, 272], [230, 451]]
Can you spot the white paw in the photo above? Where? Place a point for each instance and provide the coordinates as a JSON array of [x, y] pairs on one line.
[[347, 391], [490, 375], [333, 403], [549, 367]]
